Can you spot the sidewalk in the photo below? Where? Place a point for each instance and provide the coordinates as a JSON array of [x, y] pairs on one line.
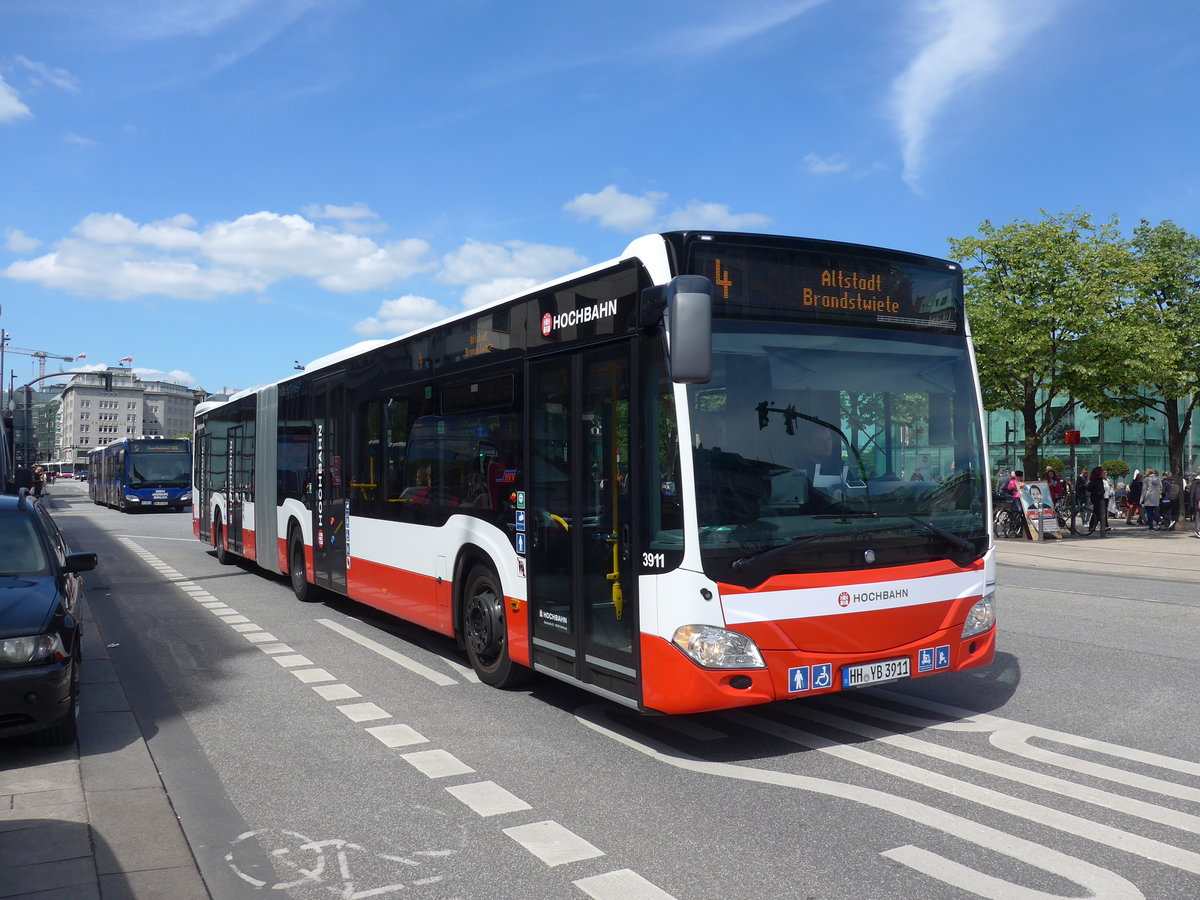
[[1169, 555], [92, 820]]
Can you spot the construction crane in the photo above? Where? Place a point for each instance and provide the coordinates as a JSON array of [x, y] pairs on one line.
[[41, 356]]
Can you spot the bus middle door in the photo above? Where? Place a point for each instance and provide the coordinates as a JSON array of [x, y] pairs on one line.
[[329, 491], [582, 589]]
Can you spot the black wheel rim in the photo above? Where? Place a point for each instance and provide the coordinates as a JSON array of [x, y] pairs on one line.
[[484, 632]]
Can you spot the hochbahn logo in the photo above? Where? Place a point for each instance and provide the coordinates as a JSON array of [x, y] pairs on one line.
[[845, 598], [605, 310]]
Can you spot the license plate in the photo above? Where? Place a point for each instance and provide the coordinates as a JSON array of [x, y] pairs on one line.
[[875, 672], [160, 503]]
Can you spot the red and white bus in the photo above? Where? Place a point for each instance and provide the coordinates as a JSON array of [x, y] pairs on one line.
[[719, 470]]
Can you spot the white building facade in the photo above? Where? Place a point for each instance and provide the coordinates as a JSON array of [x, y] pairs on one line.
[[99, 407]]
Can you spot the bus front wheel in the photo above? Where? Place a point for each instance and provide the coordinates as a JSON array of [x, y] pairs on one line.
[[485, 631]]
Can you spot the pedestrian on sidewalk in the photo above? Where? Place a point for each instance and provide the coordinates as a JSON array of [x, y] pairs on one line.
[[1133, 499], [1097, 490], [1168, 506], [1196, 500], [1151, 494]]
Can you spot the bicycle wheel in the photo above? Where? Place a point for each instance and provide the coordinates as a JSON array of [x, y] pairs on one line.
[[1016, 525]]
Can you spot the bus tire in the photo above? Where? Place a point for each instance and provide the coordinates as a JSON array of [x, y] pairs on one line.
[[224, 557], [484, 629], [304, 590]]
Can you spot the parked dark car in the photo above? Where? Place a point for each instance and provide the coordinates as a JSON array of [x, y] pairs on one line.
[[40, 629]]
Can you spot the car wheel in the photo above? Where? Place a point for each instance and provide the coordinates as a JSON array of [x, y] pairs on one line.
[[66, 729]]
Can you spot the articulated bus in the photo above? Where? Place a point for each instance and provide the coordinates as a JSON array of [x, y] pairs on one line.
[[719, 470], [141, 473]]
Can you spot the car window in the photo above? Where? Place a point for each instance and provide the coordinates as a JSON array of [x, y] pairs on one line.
[[21, 549], [52, 532]]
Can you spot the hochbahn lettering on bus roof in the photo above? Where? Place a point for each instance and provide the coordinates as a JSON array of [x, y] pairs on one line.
[[551, 322]]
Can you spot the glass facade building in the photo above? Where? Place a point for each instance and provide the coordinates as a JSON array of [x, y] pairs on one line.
[[1139, 445]]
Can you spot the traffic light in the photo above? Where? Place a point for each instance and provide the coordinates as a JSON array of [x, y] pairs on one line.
[[764, 414]]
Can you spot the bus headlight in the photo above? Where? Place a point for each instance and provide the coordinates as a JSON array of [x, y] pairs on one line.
[[132, 498], [982, 615], [718, 648]]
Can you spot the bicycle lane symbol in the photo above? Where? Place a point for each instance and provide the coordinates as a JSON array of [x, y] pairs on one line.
[[281, 860]]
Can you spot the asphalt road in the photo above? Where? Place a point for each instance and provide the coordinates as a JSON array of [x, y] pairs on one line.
[[316, 750]]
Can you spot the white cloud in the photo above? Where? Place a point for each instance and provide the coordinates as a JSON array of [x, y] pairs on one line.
[[618, 211], [175, 376], [79, 140], [716, 216], [490, 291], [110, 255], [744, 23], [85, 269], [825, 165], [358, 218], [488, 272], [476, 262], [630, 213], [19, 242], [11, 107], [402, 315], [961, 41], [60, 78]]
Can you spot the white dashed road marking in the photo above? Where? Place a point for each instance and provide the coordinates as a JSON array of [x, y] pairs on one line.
[[549, 841]]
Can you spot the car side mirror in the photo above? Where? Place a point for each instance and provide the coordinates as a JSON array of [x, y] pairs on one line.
[[80, 562]]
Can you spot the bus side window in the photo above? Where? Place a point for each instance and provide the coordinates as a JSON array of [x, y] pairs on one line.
[[366, 473]]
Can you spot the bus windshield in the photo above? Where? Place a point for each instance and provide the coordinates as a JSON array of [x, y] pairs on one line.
[[855, 448], [151, 469]]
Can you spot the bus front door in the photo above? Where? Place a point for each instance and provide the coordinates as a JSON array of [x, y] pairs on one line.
[[582, 590], [329, 490]]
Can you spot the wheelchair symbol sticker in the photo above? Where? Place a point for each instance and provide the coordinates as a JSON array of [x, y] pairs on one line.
[[925, 659], [822, 676]]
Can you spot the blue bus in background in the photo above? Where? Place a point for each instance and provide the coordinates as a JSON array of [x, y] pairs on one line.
[[142, 473]]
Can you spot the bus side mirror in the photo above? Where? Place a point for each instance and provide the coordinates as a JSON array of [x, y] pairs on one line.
[[689, 328]]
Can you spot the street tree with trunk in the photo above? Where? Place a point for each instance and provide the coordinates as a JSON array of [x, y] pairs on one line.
[[1159, 329], [1041, 297]]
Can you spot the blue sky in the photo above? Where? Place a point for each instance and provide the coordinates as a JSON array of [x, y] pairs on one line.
[[218, 188]]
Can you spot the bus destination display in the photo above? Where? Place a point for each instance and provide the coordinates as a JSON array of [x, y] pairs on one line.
[[800, 284]]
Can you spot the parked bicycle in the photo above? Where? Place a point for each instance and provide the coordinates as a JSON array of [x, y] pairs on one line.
[[1007, 519]]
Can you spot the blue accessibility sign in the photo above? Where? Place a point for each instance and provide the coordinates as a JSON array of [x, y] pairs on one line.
[[798, 679], [822, 676], [925, 660], [943, 657]]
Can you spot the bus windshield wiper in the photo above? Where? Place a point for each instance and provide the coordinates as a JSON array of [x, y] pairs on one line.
[[959, 543], [949, 537], [760, 556]]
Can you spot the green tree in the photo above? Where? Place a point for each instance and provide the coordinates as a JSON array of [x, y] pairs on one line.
[[1039, 295], [1159, 335]]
